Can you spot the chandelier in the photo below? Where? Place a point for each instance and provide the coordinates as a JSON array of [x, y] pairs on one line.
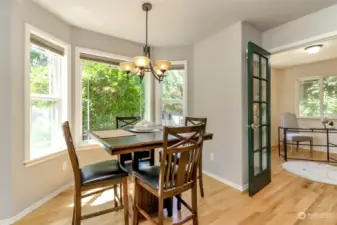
[[143, 64]]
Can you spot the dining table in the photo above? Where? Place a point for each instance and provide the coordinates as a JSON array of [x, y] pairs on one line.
[[136, 143]]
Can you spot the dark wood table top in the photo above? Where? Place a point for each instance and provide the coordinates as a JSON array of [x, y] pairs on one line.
[[138, 142]]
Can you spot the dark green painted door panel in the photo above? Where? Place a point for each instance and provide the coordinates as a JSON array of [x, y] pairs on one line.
[[259, 132]]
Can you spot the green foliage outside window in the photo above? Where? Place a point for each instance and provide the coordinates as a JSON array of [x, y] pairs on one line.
[[107, 93]]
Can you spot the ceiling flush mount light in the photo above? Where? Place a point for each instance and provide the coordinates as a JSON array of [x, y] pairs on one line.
[[313, 49], [143, 64]]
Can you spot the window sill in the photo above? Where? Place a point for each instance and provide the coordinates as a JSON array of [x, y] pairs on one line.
[[308, 118], [34, 162]]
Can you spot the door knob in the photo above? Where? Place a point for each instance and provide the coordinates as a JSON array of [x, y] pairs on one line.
[[253, 126]]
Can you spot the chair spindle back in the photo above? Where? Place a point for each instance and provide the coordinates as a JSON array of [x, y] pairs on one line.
[[126, 121], [180, 160], [195, 121]]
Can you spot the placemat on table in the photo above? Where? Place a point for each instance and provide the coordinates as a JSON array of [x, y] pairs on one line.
[[113, 133]]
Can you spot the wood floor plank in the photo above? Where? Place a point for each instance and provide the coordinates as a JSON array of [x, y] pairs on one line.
[[278, 204]]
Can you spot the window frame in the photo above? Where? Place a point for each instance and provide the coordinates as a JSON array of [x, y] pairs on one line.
[[321, 96], [158, 92], [64, 98]]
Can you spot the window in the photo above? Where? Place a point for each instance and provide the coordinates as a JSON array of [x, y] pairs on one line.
[[173, 105], [318, 97], [107, 93], [48, 96]]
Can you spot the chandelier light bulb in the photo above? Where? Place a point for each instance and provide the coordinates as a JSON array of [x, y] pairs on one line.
[[141, 61], [127, 66]]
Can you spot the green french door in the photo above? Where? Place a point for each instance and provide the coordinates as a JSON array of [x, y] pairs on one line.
[[259, 145]]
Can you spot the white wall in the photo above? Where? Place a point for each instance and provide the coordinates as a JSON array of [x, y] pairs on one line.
[[31, 184], [217, 96], [220, 94], [274, 109], [5, 111], [287, 95], [313, 27]]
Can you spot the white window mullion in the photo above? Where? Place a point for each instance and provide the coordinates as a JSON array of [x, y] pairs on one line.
[[321, 97], [44, 97]]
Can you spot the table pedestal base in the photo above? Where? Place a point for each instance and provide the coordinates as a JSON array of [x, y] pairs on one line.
[[149, 203]]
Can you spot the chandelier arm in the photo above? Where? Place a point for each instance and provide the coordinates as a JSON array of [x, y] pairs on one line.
[[129, 75], [158, 77]]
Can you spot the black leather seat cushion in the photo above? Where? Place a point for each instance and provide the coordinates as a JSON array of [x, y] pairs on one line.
[[150, 175], [102, 171]]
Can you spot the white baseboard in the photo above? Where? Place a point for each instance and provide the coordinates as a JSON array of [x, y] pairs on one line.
[[36, 205], [227, 182]]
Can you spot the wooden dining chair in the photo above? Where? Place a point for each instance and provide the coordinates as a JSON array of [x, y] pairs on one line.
[[123, 122], [172, 178], [102, 176], [197, 121]]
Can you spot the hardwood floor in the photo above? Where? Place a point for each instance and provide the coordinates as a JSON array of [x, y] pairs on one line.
[[278, 204]]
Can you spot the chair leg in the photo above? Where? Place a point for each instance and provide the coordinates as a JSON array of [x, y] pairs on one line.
[[126, 201], [169, 206], [311, 148], [73, 219], [201, 181], [152, 156], [291, 144], [195, 203], [115, 195], [179, 204], [160, 211], [78, 207], [120, 193], [135, 203], [297, 142]]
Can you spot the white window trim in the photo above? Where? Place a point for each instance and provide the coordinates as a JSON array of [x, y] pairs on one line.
[[158, 92], [66, 84], [321, 89], [78, 88]]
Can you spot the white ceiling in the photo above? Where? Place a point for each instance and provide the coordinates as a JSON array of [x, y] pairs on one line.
[[299, 56], [177, 22]]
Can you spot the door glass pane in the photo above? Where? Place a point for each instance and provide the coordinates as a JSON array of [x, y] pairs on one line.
[[264, 113], [172, 114], [264, 67], [256, 113], [256, 163], [256, 70], [264, 159], [264, 136], [260, 161], [256, 89], [256, 139], [263, 90]]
